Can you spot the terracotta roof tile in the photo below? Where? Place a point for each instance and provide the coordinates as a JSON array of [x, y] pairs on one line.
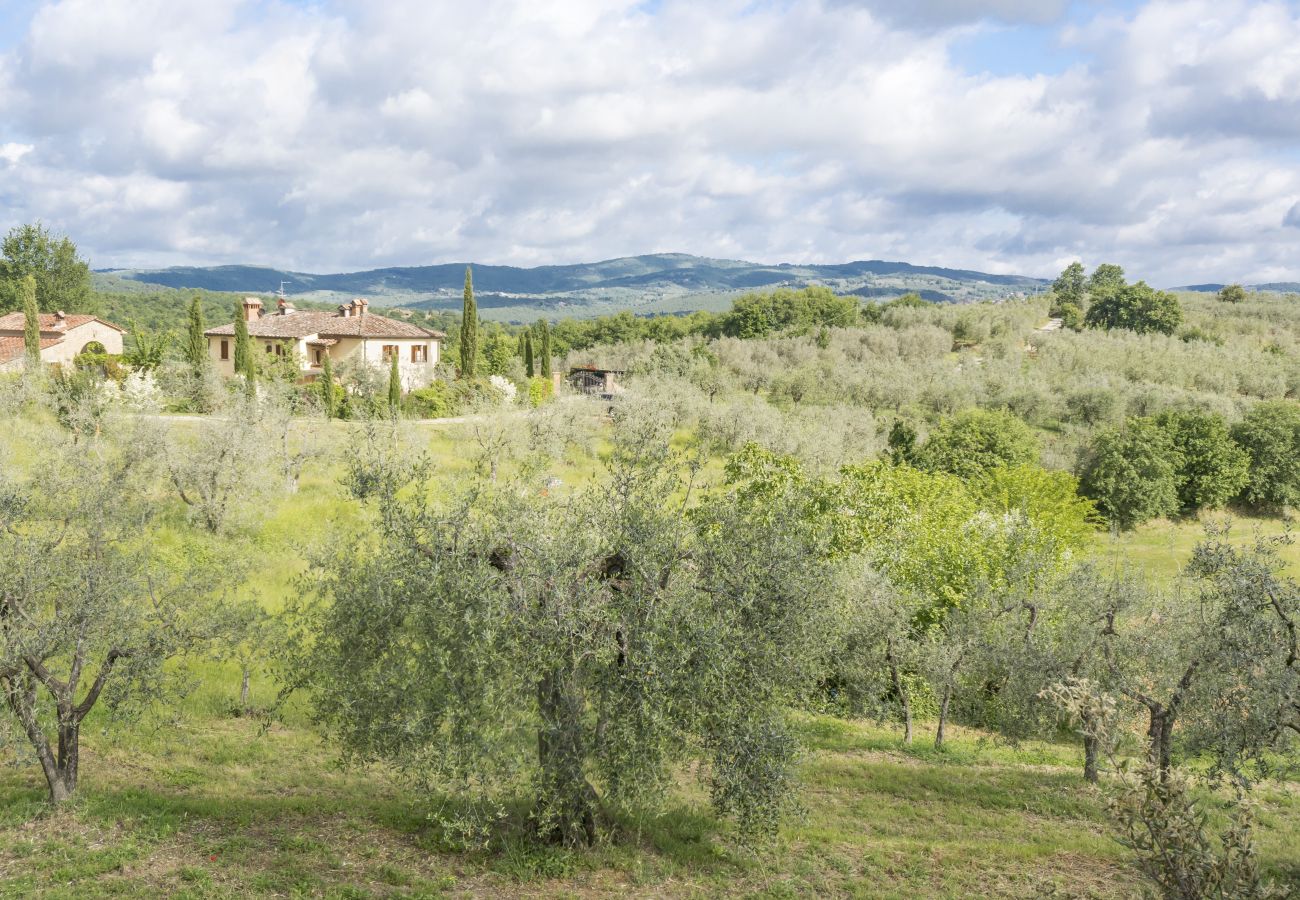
[[12, 347], [303, 323], [15, 321]]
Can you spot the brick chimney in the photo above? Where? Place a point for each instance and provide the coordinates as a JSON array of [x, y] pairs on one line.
[[362, 303], [286, 308], [252, 309]]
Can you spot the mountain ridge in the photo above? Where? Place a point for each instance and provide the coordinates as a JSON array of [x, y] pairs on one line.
[[651, 282]]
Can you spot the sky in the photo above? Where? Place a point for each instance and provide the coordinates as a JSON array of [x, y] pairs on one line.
[[1008, 136]]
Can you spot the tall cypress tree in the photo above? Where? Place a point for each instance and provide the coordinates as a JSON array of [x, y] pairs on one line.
[[31, 322], [196, 345], [244, 362], [468, 330], [394, 385], [546, 349], [528, 353], [327, 386]]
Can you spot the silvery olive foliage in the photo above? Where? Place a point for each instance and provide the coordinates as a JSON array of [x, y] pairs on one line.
[[555, 654], [93, 602]]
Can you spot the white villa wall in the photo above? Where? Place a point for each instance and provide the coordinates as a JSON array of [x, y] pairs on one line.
[[348, 349]]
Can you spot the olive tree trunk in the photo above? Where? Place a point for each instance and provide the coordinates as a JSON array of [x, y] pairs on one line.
[[566, 805]]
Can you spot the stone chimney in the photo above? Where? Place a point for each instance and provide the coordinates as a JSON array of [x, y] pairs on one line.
[[286, 308], [362, 303], [60, 320], [252, 309]]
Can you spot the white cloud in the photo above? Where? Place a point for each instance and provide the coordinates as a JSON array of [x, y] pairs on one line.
[[358, 133], [12, 153]]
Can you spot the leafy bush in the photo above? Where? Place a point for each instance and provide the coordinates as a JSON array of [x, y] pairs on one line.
[[1213, 468], [539, 391], [1132, 471], [436, 401], [1270, 434], [977, 440]]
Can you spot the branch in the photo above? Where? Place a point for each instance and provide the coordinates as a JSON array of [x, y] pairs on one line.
[[105, 670], [46, 677]]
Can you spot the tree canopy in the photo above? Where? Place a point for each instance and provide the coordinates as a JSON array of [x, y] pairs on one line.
[[62, 277], [1137, 307]]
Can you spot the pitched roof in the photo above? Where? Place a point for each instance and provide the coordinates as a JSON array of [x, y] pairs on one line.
[[305, 322], [15, 321], [12, 347]]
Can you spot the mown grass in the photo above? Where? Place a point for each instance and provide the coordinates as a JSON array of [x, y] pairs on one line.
[[218, 808], [1161, 549]]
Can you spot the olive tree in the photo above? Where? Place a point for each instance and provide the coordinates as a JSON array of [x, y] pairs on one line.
[[92, 605], [506, 643], [213, 462], [1224, 665]]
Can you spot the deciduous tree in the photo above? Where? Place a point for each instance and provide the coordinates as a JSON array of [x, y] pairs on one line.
[[62, 277]]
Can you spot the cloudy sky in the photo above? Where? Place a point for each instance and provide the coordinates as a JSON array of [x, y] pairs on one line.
[[330, 135]]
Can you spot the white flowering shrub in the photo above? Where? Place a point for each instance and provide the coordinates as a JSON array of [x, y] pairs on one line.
[[139, 391], [505, 387]]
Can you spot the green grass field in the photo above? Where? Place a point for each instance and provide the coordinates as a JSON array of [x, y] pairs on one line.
[[209, 804]]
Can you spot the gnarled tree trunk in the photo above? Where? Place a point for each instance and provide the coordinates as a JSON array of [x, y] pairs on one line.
[[567, 802]]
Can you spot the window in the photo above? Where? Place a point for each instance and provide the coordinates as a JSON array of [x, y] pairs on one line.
[[279, 349], [269, 348], [390, 350], [419, 353], [225, 349], [319, 354]]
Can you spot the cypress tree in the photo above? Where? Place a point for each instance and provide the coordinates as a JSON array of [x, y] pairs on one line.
[[468, 330], [244, 362], [546, 349], [528, 353], [31, 322], [196, 345], [394, 385], [327, 386]]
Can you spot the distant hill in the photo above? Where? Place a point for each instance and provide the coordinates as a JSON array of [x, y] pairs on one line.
[[1280, 287], [663, 282]]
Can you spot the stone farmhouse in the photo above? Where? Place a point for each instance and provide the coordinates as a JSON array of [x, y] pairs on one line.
[[353, 334], [63, 337]]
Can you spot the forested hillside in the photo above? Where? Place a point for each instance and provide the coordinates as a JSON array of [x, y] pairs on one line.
[[664, 282]]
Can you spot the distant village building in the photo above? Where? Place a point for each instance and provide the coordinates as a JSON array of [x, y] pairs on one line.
[[63, 338], [352, 334], [598, 382]]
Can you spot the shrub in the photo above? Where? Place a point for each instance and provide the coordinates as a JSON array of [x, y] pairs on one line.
[[539, 391], [977, 440], [1270, 435], [436, 401], [1132, 471], [1214, 469]]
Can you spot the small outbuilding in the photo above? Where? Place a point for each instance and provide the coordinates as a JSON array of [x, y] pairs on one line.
[[596, 382]]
